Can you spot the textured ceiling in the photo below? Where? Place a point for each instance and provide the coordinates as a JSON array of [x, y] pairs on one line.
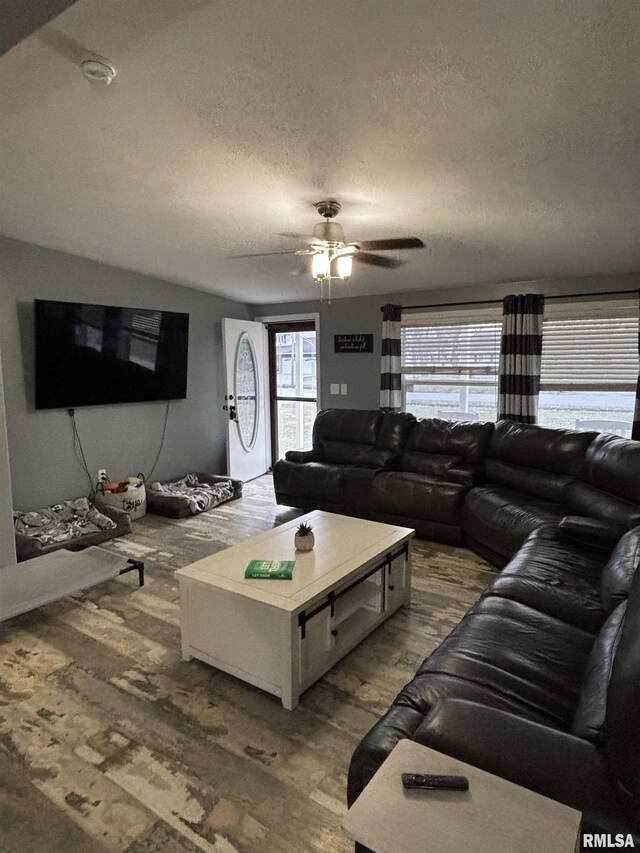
[[504, 133]]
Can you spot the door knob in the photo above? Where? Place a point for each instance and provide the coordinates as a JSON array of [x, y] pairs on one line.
[[232, 413]]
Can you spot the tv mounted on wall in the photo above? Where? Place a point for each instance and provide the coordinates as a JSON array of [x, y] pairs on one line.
[[92, 355]]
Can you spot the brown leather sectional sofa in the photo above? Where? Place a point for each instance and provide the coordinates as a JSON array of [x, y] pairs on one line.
[[540, 681], [489, 485]]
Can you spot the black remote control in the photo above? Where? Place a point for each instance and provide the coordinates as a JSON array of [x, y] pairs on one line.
[[429, 782]]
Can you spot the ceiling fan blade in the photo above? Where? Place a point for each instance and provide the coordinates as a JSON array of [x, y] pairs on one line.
[[303, 268], [392, 243], [307, 238], [378, 260], [264, 254]]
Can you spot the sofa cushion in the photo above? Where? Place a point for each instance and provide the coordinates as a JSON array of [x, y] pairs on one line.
[[434, 464], [555, 578], [536, 461], [589, 720], [312, 482], [517, 652], [451, 438], [610, 484], [433, 446], [620, 569], [354, 426], [350, 453], [530, 481], [348, 437], [467, 440], [502, 518], [612, 465], [556, 451], [585, 499], [402, 493], [623, 705], [356, 490], [393, 430]]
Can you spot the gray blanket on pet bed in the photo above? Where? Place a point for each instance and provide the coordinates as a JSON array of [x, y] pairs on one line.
[[61, 522], [200, 496]]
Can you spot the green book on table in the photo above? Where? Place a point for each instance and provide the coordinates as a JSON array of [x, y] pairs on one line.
[[277, 570]]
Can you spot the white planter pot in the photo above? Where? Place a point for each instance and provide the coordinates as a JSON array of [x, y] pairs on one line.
[[304, 543]]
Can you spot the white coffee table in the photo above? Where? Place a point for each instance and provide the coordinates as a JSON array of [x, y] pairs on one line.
[[493, 816], [282, 636]]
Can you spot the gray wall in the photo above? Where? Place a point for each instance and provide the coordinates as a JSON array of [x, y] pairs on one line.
[[7, 543], [124, 439], [361, 314]]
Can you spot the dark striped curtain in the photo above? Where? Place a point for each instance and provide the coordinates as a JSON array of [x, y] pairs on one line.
[[391, 365], [635, 432], [520, 355]]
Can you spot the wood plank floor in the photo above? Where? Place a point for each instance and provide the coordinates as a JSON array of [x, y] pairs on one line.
[[109, 742]]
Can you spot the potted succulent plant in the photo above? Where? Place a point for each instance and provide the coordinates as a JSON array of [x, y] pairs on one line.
[[304, 538]]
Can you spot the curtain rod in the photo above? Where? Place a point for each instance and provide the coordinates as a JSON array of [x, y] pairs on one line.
[[499, 301]]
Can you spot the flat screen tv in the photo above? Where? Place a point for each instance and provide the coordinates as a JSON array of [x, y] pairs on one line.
[[92, 355]]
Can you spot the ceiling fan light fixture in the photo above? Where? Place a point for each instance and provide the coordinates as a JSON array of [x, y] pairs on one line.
[[332, 257], [328, 232], [320, 265], [345, 265]]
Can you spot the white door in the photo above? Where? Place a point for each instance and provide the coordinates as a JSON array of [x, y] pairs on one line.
[[245, 402]]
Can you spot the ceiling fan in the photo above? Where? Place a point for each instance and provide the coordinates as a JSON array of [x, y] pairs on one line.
[[332, 257]]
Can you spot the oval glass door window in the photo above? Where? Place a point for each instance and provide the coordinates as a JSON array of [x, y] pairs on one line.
[[246, 382]]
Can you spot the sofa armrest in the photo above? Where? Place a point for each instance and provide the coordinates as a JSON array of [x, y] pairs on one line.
[[302, 456], [594, 532], [466, 475], [553, 763]]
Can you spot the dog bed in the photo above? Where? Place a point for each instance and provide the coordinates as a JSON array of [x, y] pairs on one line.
[[191, 494], [70, 524]]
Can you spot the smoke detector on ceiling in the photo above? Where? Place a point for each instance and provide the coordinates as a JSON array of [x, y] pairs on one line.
[[99, 70]]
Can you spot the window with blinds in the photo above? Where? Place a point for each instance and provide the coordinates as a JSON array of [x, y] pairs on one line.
[[593, 346], [589, 365], [450, 363]]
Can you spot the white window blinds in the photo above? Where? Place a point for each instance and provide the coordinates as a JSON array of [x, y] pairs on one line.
[[590, 346], [453, 347]]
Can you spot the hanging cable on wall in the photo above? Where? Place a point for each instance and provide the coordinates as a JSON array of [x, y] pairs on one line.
[[78, 452], [164, 431]]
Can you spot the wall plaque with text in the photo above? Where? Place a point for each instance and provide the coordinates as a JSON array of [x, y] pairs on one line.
[[353, 343]]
